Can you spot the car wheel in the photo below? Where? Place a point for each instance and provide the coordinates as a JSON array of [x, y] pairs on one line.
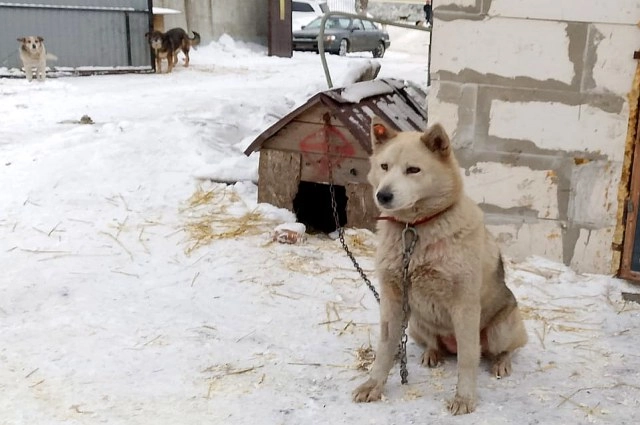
[[379, 51], [344, 47]]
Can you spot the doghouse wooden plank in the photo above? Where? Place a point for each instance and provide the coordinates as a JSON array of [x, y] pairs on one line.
[[361, 208], [278, 177], [315, 168], [315, 115], [298, 136]]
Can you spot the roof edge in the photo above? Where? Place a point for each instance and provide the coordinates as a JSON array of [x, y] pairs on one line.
[[278, 125]]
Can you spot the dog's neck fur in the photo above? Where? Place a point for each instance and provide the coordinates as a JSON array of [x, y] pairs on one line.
[[425, 210], [417, 222]]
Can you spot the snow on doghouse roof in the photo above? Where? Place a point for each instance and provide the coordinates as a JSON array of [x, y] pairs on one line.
[[354, 105]]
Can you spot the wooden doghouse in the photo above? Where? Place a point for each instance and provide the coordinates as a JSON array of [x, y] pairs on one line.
[[327, 140]]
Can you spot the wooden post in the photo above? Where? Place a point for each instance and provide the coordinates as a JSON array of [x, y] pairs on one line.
[[280, 43]]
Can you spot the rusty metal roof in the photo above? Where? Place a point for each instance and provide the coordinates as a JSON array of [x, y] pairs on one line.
[[354, 105]]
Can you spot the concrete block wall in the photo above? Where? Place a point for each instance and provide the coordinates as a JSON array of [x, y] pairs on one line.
[[244, 20], [535, 95]]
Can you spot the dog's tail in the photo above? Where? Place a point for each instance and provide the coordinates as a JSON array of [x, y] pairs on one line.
[[51, 57], [195, 40]]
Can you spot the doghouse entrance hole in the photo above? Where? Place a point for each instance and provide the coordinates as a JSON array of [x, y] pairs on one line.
[[312, 206]]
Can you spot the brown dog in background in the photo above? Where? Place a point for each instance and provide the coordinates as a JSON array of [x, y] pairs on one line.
[[167, 45], [458, 299]]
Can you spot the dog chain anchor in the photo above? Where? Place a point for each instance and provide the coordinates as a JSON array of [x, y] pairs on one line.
[[409, 240]]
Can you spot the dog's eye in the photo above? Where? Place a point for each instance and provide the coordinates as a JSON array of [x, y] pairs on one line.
[[385, 167], [413, 170]]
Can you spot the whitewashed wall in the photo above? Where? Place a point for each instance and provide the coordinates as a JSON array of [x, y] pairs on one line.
[[535, 93], [342, 5], [244, 20]]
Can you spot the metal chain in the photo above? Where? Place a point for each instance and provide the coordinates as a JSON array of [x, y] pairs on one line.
[[336, 217], [408, 247]]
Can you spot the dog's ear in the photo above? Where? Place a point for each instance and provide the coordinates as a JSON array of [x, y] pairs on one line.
[[437, 140], [381, 132], [40, 39], [21, 39]]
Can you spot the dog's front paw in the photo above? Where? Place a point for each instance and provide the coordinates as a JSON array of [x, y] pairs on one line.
[[369, 391], [502, 366], [461, 405]]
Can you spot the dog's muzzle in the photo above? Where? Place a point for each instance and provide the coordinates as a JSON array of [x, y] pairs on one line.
[[384, 197]]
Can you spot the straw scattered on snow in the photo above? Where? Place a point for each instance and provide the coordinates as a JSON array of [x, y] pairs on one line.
[[209, 219], [364, 358]]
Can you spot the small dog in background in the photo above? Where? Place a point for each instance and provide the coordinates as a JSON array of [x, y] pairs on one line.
[[166, 46], [34, 57]]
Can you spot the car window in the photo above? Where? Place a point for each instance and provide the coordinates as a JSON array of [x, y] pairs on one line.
[[340, 23], [298, 6], [336, 23], [313, 24], [333, 23], [369, 26], [343, 23], [357, 24]]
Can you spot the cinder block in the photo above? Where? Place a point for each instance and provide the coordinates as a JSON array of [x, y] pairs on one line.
[[441, 111], [592, 252], [521, 240], [510, 187], [560, 127], [614, 65], [449, 4], [617, 12], [593, 202], [504, 47]]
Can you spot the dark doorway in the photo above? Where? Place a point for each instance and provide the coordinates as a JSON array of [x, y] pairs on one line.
[[312, 206]]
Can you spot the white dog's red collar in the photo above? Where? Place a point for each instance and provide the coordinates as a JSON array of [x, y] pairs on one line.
[[414, 223]]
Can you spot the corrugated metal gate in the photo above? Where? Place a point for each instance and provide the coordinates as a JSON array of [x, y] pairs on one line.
[[81, 33]]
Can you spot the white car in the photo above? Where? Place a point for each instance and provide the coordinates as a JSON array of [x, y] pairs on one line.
[[305, 11]]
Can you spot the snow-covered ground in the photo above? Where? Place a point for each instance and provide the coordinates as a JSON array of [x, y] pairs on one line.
[[134, 291]]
